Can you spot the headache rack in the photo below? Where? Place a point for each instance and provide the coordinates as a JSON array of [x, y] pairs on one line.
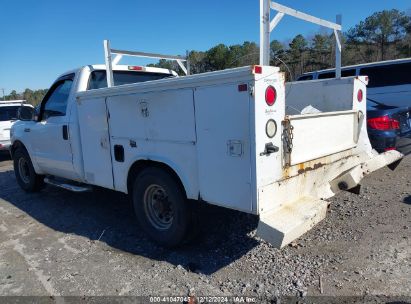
[[108, 53]]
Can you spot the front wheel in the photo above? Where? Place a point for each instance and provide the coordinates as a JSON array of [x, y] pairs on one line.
[[161, 207], [26, 177]]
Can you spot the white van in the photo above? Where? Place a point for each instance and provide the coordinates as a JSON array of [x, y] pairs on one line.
[[389, 81], [8, 115]]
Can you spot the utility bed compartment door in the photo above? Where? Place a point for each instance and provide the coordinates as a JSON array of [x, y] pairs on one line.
[[318, 135], [223, 143], [95, 142]]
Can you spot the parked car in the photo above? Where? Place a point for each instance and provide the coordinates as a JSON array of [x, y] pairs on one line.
[[8, 115], [388, 126], [389, 101]]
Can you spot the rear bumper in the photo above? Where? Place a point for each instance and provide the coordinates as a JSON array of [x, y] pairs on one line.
[[384, 140], [291, 207], [353, 176]]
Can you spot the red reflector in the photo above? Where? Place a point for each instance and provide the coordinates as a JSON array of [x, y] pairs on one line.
[[258, 69], [135, 68], [242, 87], [360, 95], [390, 149], [270, 95], [383, 123]]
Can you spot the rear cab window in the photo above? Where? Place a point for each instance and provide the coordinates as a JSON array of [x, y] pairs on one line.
[[98, 78], [387, 75], [8, 113]]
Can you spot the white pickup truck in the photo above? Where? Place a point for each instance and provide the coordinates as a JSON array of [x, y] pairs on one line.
[[8, 116], [222, 137]]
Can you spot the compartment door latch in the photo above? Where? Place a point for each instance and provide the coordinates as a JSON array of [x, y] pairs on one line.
[[235, 148]]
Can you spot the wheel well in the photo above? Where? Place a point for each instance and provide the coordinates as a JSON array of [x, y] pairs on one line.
[[16, 144], [140, 165]]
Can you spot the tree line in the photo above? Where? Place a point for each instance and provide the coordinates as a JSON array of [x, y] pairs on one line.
[[384, 35], [33, 97]]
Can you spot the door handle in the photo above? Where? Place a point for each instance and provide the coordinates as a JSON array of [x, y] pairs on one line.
[[269, 149], [65, 132], [27, 130]]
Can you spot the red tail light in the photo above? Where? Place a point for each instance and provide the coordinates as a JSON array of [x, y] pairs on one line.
[[270, 95], [258, 69], [135, 68], [390, 149], [360, 95], [383, 123]]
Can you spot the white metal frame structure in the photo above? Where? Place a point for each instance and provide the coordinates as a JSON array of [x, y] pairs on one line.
[[267, 25], [108, 52]]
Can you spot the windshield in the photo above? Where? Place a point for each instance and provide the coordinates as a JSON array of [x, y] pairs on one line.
[[8, 113], [98, 78]]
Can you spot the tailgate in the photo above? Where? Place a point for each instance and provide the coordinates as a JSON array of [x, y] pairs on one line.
[[312, 136]]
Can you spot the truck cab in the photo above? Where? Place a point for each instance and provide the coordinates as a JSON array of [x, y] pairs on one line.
[[52, 137]]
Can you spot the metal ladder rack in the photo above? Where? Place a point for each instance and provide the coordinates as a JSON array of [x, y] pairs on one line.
[[267, 25], [108, 53]]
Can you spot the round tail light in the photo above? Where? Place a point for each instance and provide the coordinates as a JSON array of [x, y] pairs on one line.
[[270, 95], [360, 95]]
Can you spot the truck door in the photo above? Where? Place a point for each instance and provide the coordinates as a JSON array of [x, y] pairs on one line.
[[50, 135]]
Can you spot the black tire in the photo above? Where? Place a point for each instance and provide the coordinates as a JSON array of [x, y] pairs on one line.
[[26, 177], [166, 193]]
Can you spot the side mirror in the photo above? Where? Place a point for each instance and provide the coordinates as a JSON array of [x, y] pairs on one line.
[[26, 113]]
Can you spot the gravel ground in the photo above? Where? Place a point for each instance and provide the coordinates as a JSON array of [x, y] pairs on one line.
[[60, 243]]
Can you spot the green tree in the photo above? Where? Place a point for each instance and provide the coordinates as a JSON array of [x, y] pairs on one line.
[[321, 51], [277, 49], [32, 97], [379, 31], [13, 96], [245, 54], [217, 58], [197, 62], [296, 52]]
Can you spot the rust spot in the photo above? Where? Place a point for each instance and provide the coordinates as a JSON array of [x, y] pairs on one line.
[[303, 170], [319, 165], [286, 172]]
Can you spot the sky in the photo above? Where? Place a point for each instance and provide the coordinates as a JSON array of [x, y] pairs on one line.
[[41, 39]]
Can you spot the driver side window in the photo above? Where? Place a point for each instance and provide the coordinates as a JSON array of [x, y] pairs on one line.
[[56, 104]]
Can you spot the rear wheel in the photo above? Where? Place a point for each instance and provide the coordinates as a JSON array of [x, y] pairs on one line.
[[161, 207], [26, 177]]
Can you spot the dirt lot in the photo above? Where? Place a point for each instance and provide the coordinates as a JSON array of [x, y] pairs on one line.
[[60, 243]]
